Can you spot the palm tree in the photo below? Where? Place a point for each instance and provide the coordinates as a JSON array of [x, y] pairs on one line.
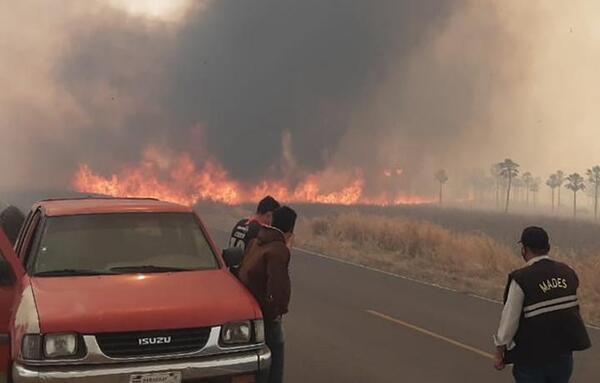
[[495, 172], [552, 183], [442, 178], [594, 178], [560, 180], [509, 170], [481, 185], [575, 184], [535, 188], [528, 180], [518, 186]]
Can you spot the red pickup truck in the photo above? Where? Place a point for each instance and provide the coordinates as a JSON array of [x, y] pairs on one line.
[[123, 291]]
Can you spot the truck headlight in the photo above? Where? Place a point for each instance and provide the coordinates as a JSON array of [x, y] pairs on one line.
[[60, 345], [236, 333], [31, 349], [259, 331]]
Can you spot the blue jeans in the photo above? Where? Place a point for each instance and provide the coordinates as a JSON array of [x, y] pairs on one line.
[[275, 340], [557, 371]]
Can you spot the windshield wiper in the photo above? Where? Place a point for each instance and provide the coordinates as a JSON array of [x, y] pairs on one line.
[[147, 269], [72, 272]]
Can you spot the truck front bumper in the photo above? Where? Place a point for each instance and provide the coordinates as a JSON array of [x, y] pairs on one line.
[[255, 363]]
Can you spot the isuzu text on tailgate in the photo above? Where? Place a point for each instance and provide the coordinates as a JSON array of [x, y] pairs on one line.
[[123, 291]]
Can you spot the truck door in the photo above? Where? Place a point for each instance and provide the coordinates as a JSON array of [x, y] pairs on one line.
[[11, 272]]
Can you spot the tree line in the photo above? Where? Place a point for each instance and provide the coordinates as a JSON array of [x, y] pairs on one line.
[[506, 180]]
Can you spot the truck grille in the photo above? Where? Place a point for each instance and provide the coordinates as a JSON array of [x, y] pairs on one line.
[[152, 343]]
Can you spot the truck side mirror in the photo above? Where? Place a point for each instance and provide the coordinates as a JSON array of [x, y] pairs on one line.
[[233, 257]]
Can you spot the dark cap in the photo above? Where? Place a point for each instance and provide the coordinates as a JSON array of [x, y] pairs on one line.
[[267, 205], [284, 219], [535, 238]]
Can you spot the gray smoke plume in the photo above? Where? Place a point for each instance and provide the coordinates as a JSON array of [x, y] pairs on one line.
[[239, 74], [351, 84]]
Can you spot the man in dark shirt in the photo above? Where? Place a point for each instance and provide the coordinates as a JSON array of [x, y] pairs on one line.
[[265, 272], [540, 325], [247, 229]]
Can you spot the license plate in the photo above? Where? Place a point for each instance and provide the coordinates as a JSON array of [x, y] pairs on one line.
[[158, 377]]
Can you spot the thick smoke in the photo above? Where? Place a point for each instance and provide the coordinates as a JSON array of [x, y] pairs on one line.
[[236, 76], [268, 87]]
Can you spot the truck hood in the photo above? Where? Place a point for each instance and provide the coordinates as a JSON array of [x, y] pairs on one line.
[[141, 302]]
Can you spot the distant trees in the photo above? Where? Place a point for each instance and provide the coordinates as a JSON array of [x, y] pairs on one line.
[[518, 187], [514, 188], [442, 178], [508, 170], [553, 183], [575, 184], [594, 178], [496, 174], [560, 179], [482, 185], [535, 188], [527, 179]]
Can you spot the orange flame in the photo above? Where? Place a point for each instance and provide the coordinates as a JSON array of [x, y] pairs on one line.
[[181, 181]]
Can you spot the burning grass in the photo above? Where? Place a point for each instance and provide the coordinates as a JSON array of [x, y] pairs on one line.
[[177, 178], [469, 262]]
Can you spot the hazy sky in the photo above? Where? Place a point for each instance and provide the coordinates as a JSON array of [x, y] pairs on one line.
[[347, 83]]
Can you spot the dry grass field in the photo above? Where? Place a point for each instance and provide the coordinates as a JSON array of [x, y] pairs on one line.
[[469, 262], [581, 236]]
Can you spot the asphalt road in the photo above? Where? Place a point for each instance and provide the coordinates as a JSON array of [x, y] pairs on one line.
[[353, 325]]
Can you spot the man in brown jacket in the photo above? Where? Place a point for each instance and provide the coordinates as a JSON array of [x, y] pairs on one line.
[[265, 272]]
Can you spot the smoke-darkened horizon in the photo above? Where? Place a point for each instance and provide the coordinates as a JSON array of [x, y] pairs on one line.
[[283, 90]]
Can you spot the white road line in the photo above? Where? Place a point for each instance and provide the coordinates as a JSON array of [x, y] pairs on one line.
[[432, 334]]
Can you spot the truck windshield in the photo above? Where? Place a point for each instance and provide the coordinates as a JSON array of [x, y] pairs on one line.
[[121, 243]]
